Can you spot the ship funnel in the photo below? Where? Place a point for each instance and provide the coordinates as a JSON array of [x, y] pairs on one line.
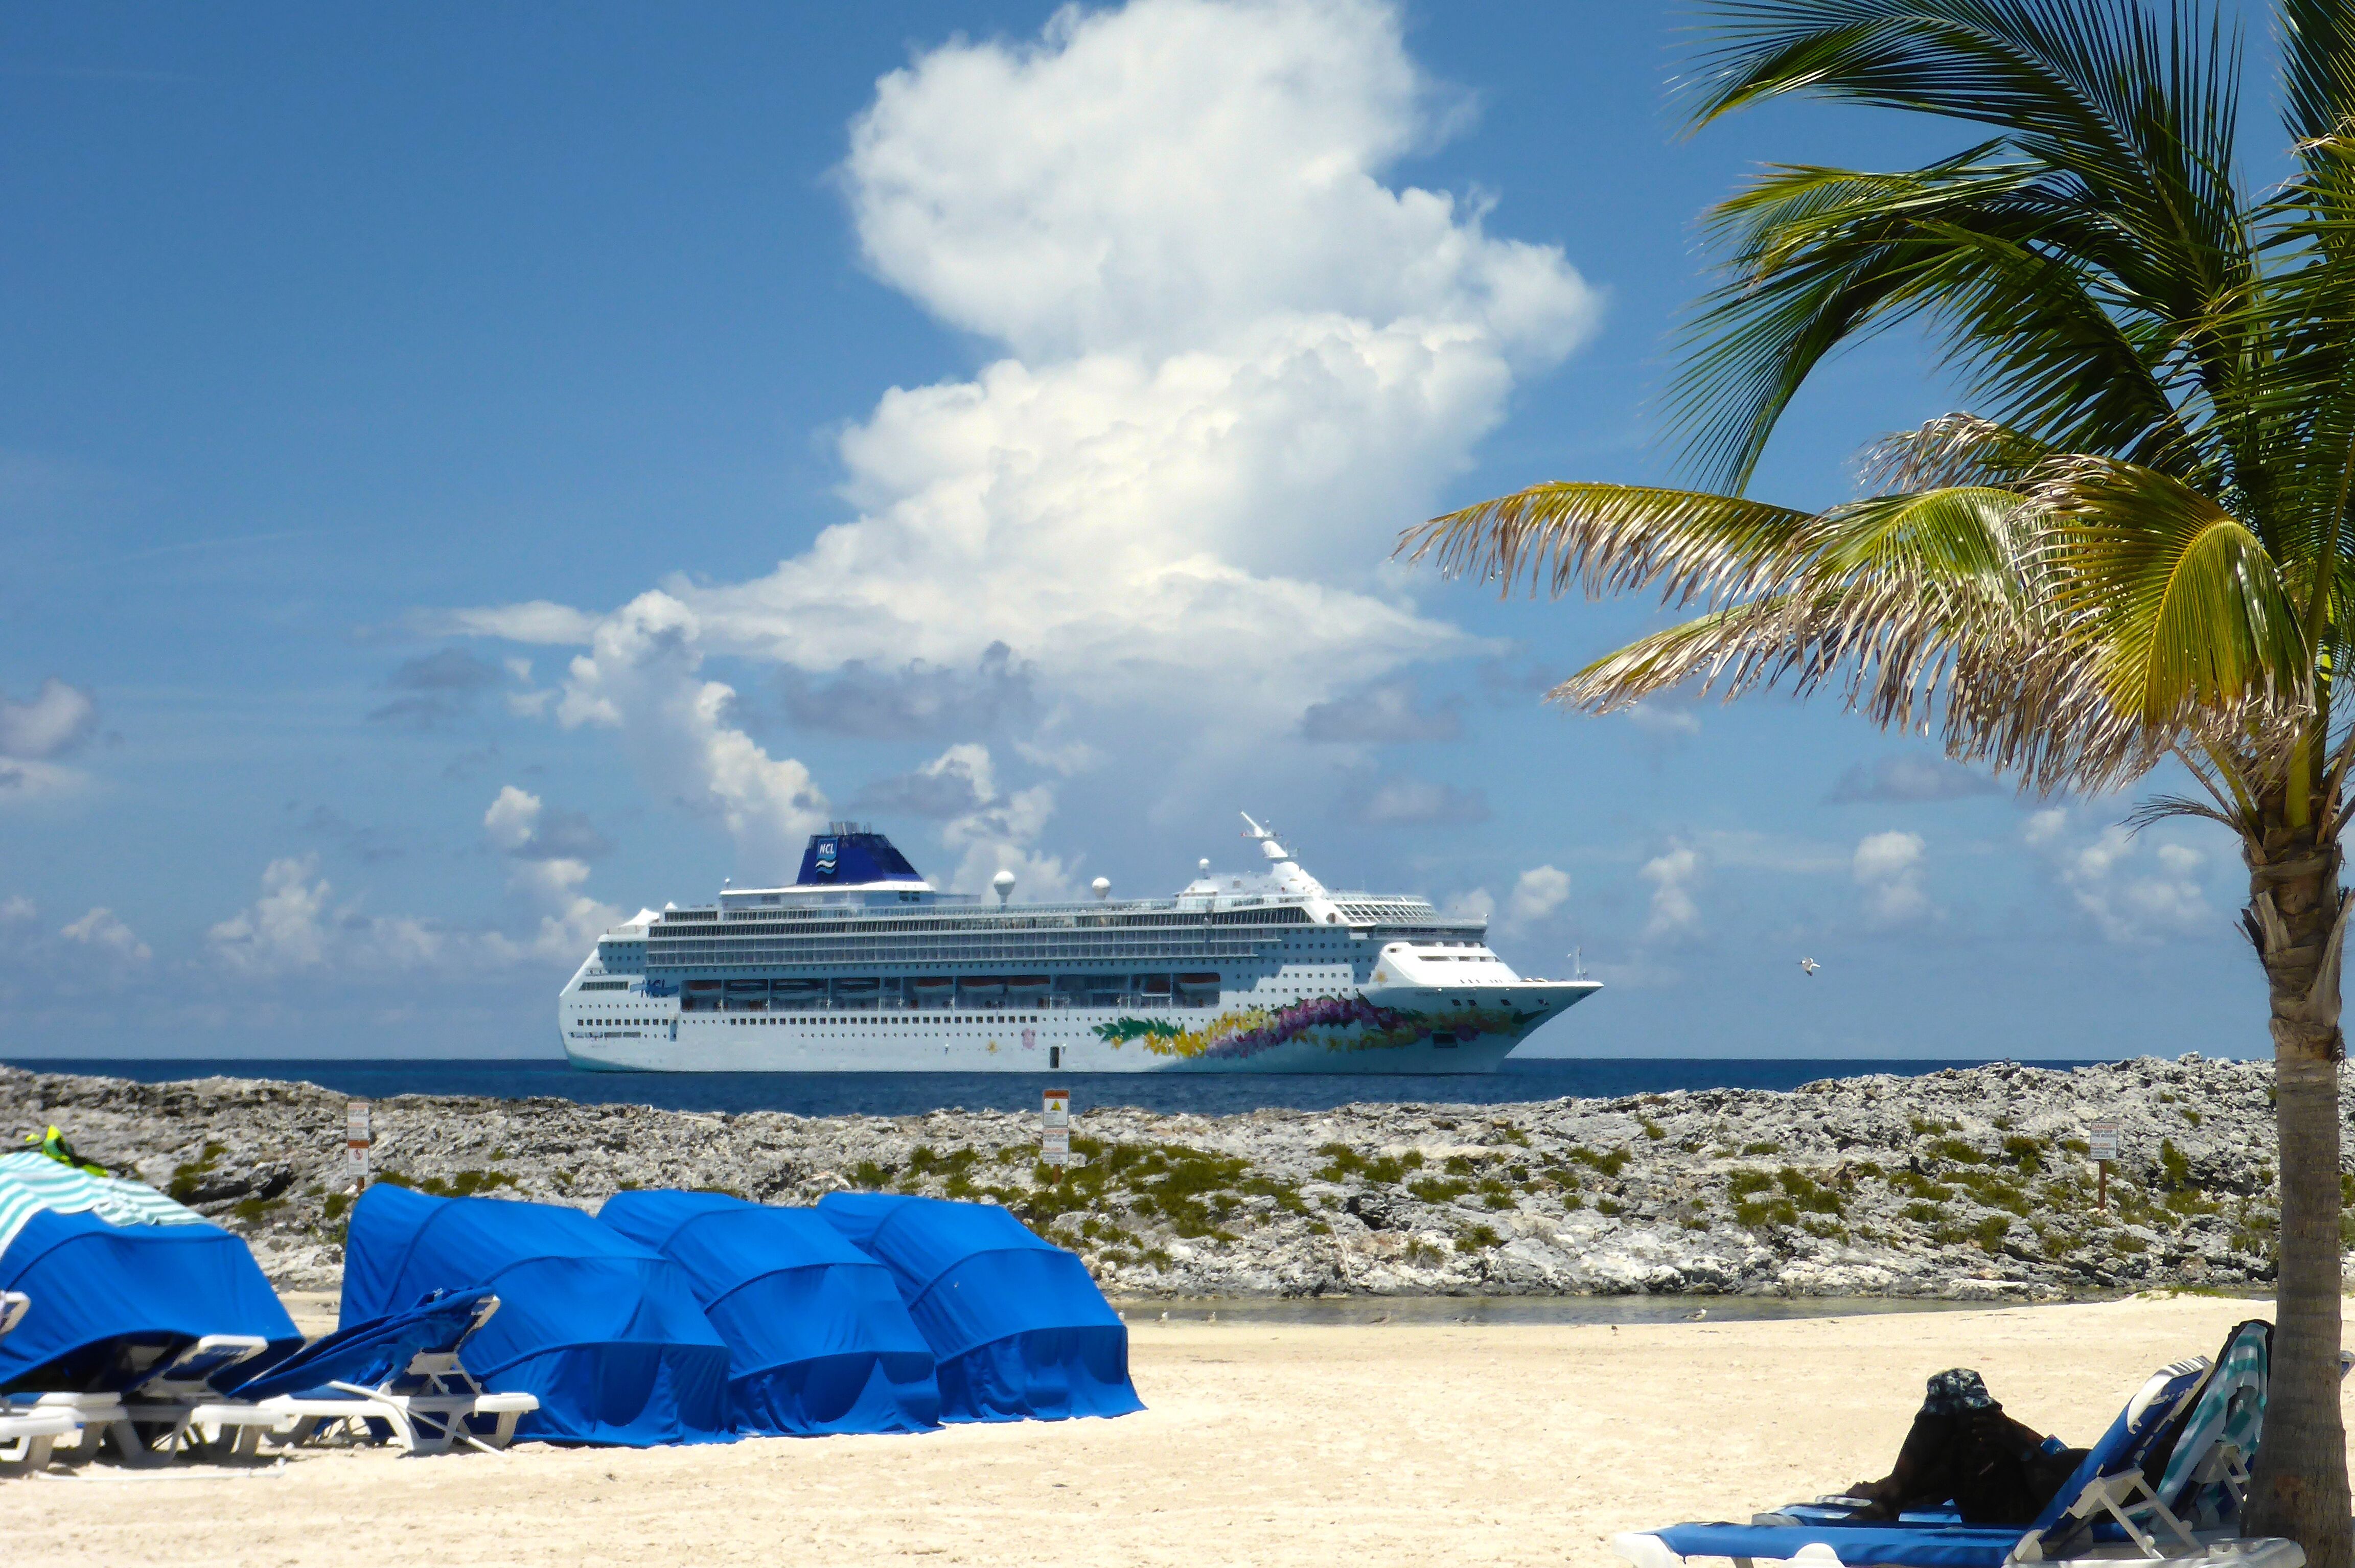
[[1003, 884], [1100, 887]]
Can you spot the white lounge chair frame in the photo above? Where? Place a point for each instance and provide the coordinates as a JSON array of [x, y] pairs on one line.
[[431, 1420], [28, 1434], [166, 1399]]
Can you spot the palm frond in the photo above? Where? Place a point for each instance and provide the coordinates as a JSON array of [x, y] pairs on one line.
[[2173, 600], [1607, 539]]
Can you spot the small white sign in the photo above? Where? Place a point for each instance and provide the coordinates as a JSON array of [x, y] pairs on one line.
[[357, 1140], [1055, 1147], [2101, 1139], [1056, 1109]]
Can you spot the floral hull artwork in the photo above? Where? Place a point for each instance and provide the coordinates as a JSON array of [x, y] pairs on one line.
[[1342, 1025]]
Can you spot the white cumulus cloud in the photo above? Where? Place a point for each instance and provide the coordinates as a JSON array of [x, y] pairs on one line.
[[1673, 875], [1888, 866], [104, 930], [1537, 893], [2135, 891], [1235, 359]]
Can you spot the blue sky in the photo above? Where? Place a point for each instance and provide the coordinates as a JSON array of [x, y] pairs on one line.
[[465, 471]]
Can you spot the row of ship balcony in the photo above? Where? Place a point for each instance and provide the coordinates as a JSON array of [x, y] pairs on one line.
[[969, 992]]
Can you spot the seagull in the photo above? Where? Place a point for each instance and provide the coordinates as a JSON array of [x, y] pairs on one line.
[[1808, 967]]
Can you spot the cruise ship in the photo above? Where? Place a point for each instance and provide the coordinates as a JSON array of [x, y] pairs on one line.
[[862, 966]]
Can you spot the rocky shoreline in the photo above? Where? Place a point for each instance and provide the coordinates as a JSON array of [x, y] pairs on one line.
[[1964, 1184]]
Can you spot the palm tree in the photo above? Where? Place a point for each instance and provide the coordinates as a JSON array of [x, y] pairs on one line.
[[2136, 548]]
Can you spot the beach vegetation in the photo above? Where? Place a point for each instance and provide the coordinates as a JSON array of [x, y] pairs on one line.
[[1511, 1133], [1476, 1238], [1808, 1193], [1925, 1213], [1610, 1207], [2026, 1153], [2130, 548], [870, 1177], [1573, 1200], [1764, 1214], [1438, 1188], [1955, 1151], [1461, 1164], [1607, 1162], [254, 1210], [1762, 1147], [1652, 1129], [188, 1178]]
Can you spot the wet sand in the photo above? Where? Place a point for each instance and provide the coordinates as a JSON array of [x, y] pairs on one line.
[[1264, 1445]]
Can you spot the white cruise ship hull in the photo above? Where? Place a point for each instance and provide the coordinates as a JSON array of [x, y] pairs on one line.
[[1399, 1030]]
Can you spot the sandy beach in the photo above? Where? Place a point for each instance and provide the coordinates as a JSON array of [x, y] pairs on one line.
[[1265, 1443]]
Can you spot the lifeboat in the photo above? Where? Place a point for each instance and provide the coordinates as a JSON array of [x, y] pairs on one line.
[[859, 993], [931, 990], [981, 990]]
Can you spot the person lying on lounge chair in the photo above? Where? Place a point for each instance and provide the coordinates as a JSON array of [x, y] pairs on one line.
[[1965, 1448]]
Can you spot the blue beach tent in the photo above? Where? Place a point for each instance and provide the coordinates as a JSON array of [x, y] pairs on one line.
[[819, 1340], [1016, 1326], [605, 1331], [122, 1278]]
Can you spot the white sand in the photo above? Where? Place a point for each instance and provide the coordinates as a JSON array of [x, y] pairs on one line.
[[1264, 1445]]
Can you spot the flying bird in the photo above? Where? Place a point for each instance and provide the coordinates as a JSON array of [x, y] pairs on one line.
[[1808, 967]]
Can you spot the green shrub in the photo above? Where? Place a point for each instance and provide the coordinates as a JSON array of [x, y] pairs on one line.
[[1762, 1147], [1610, 1164], [1652, 1129], [1476, 1239], [1955, 1151], [1438, 1189], [1990, 1232], [2027, 1153]]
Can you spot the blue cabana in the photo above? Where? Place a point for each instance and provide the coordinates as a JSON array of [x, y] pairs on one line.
[[605, 1331], [1016, 1326], [114, 1295], [819, 1340]]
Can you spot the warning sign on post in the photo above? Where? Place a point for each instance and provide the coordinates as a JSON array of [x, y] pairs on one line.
[[1055, 1127], [357, 1141], [2102, 1140]]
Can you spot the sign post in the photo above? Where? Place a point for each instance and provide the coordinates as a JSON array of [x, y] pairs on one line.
[[1055, 1132], [2102, 1143], [356, 1142]]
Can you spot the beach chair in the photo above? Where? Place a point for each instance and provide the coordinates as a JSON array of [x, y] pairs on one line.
[[397, 1377], [27, 1434], [2177, 1423], [146, 1419]]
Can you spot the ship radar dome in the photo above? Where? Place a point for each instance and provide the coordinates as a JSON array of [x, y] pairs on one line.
[[1004, 884], [1100, 887]]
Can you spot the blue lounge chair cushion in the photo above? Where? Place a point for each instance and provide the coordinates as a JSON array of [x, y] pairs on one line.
[[371, 1354], [1906, 1546]]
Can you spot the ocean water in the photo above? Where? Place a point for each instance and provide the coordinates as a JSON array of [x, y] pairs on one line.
[[914, 1094]]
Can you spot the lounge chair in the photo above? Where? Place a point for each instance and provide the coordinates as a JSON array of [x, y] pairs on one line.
[[146, 1419], [2194, 1420], [398, 1376], [26, 1433]]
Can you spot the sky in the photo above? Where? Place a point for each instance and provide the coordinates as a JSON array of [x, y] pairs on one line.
[[469, 472]]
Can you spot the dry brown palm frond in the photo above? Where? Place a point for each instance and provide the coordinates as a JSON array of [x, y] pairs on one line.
[[1951, 451]]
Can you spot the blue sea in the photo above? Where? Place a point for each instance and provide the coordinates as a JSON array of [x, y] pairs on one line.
[[912, 1093]]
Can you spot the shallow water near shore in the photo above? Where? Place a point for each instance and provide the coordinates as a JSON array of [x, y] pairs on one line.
[[915, 1093]]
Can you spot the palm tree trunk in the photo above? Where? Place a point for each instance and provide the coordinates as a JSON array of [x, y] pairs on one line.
[[2296, 917]]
